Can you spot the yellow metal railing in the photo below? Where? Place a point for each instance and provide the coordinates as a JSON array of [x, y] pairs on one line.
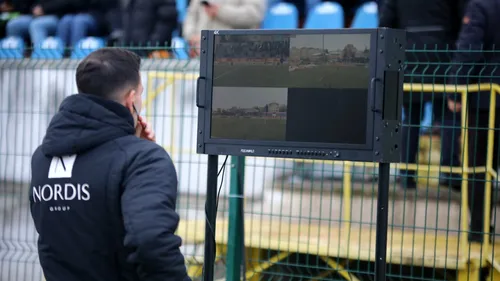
[[465, 170]]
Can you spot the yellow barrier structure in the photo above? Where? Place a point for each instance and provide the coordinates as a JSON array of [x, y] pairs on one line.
[[333, 243], [486, 250]]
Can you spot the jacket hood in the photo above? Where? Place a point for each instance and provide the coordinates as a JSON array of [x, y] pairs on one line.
[[84, 122]]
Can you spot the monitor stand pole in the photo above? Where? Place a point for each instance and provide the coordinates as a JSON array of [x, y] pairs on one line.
[[210, 212], [382, 218]]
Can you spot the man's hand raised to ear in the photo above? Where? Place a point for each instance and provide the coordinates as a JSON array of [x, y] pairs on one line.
[[143, 130]]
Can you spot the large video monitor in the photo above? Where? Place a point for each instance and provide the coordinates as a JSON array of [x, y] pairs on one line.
[[318, 94]]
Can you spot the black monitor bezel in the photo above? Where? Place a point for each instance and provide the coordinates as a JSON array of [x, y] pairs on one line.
[[206, 71]]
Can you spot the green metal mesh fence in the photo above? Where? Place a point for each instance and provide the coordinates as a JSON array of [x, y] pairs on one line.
[[304, 220]]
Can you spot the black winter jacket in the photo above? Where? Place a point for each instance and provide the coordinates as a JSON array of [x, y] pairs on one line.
[[62, 7], [102, 200], [477, 57], [100, 9], [431, 25], [143, 22], [22, 6]]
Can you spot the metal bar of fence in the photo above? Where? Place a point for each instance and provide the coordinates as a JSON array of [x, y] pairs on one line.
[[464, 222], [235, 245], [382, 221], [488, 176]]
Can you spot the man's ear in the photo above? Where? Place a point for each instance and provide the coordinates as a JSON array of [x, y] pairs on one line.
[[130, 101]]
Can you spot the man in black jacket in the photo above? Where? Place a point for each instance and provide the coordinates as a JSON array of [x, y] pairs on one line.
[[103, 192], [143, 22], [477, 55], [432, 25]]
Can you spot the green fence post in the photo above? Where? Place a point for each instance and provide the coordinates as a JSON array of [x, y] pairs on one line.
[[235, 243]]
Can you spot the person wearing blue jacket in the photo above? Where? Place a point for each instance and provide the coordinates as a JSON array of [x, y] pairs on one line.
[[103, 193]]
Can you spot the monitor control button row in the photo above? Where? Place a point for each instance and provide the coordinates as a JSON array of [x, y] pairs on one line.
[[280, 151], [311, 153], [322, 153], [316, 153]]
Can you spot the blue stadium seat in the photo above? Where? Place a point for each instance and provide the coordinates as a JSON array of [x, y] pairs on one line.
[[325, 15], [281, 16], [51, 48], [180, 48], [366, 16], [11, 48], [86, 46]]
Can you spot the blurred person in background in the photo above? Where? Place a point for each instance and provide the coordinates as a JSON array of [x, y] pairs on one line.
[[220, 15], [432, 25], [88, 20], [477, 55], [143, 23], [42, 20]]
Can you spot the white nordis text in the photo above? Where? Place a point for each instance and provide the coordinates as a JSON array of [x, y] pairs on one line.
[[61, 192]]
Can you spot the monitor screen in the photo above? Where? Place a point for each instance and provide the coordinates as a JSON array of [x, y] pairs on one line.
[[296, 88]]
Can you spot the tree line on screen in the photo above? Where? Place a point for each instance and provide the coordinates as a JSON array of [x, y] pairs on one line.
[[270, 108], [281, 50], [253, 49]]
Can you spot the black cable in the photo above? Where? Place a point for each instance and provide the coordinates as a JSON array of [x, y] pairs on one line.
[[222, 170], [223, 166]]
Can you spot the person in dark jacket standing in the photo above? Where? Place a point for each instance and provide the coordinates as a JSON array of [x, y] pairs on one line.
[[103, 192], [432, 25], [477, 56], [143, 22]]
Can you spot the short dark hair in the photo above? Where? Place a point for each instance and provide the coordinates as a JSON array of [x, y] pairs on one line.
[[107, 71]]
